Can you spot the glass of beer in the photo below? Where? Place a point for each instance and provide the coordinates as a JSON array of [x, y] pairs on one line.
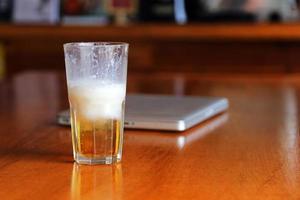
[[96, 79]]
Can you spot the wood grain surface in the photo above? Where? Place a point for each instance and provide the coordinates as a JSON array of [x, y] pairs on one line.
[[161, 31], [250, 152]]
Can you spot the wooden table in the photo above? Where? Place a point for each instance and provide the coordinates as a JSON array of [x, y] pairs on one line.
[[250, 152]]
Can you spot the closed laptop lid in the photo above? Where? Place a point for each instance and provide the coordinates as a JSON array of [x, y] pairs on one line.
[[165, 112]]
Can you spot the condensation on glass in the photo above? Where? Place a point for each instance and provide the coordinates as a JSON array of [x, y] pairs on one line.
[[96, 79]]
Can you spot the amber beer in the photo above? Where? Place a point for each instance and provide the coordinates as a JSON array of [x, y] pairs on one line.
[[96, 116]]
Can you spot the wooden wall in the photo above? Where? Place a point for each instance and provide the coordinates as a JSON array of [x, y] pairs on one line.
[[159, 48]]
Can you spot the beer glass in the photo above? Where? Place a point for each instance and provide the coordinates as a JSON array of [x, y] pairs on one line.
[[96, 79]]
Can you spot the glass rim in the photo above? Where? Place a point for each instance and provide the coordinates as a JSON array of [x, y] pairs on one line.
[[95, 44]]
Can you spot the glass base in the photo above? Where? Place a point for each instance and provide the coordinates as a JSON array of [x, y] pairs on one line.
[[95, 161]]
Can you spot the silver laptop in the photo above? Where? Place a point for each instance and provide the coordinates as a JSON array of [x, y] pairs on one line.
[[162, 112], [169, 139]]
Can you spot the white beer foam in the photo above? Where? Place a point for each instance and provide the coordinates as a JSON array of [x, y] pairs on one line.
[[96, 99]]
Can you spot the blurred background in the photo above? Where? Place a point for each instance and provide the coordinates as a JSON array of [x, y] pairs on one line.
[[191, 36]]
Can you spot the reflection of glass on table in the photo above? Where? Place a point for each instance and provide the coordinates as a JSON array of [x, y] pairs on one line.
[[86, 181]]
